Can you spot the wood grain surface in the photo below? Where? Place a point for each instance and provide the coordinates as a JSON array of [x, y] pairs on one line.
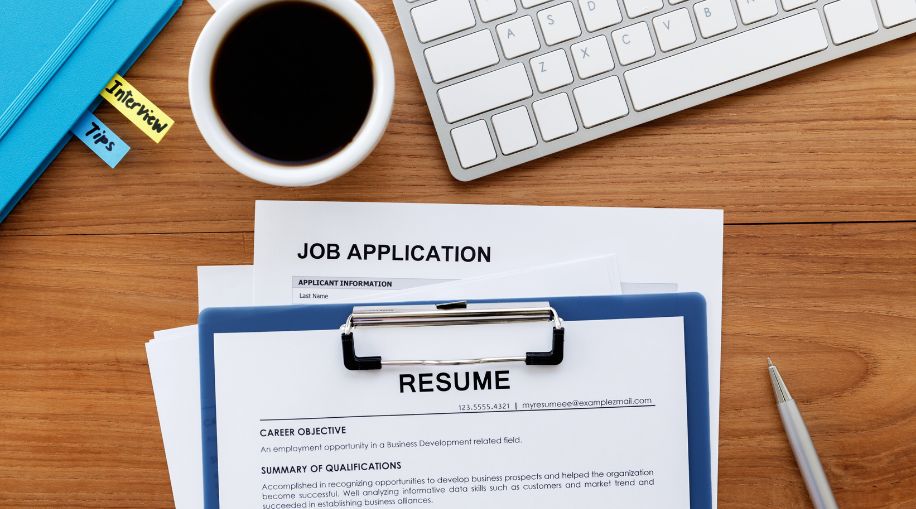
[[816, 173]]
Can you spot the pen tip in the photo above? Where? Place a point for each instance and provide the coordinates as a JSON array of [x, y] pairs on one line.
[[769, 362]]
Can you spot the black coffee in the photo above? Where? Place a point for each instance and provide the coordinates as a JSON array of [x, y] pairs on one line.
[[292, 81]]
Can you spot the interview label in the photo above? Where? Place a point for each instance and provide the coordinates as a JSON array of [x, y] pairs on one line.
[[100, 139], [136, 107]]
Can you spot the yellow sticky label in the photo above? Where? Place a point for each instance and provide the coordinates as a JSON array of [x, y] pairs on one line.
[[136, 107]]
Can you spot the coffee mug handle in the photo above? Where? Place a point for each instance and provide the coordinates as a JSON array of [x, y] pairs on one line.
[[216, 4]]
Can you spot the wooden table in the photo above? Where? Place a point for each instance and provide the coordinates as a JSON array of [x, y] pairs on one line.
[[816, 172]]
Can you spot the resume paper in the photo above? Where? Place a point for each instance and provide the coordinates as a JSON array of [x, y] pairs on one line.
[[606, 428]]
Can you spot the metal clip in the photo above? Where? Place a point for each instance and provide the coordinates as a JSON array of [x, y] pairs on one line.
[[451, 313]]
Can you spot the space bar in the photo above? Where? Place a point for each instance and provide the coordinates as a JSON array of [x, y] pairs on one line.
[[726, 59]]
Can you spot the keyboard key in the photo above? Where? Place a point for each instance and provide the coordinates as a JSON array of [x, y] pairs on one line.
[[461, 56], [473, 144], [795, 4], [518, 37], [555, 117], [633, 43], [485, 92], [559, 23], [674, 30], [495, 9], [514, 131], [639, 7], [592, 57], [753, 11], [895, 12], [715, 17], [601, 101], [551, 70], [441, 17], [675, 2], [725, 60], [531, 3], [599, 14], [850, 19]]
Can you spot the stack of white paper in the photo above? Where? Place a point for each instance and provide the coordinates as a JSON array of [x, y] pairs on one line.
[[321, 252]]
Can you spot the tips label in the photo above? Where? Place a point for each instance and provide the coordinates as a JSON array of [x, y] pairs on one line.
[[100, 139]]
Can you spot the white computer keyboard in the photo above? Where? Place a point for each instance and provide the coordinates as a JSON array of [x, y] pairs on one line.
[[508, 82]]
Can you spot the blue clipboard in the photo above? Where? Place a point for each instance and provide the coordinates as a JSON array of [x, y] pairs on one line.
[[690, 306]]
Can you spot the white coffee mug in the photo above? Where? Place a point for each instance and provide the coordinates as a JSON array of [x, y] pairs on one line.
[[224, 144]]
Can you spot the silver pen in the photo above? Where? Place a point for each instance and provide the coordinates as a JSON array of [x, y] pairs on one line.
[[802, 447]]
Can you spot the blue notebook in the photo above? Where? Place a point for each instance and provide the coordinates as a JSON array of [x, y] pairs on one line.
[[56, 56], [690, 306]]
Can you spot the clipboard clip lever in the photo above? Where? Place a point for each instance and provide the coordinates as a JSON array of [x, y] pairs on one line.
[[451, 313]]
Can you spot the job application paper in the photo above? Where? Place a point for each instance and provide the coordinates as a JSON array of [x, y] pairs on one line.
[[414, 243], [606, 428]]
